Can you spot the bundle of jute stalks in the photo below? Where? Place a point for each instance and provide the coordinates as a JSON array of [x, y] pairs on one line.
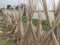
[[30, 34]]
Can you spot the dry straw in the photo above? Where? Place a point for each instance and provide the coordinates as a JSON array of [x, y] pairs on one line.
[[32, 35]]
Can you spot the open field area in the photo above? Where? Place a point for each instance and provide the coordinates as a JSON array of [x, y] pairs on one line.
[[4, 39], [25, 24]]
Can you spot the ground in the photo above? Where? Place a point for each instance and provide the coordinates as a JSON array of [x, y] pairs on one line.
[[3, 38]]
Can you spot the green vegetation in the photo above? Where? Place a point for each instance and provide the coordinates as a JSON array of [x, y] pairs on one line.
[[4, 41], [1, 14], [24, 19], [35, 22], [44, 25]]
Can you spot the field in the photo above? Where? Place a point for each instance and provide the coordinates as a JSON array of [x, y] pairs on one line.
[[4, 39], [18, 28]]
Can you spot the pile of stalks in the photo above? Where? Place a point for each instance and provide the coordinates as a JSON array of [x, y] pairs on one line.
[[32, 35]]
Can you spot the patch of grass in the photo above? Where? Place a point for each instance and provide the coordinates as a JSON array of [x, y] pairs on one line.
[[44, 24], [3, 28], [24, 19], [35, 22], [59, 26], [3, 41], [1, 14]]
